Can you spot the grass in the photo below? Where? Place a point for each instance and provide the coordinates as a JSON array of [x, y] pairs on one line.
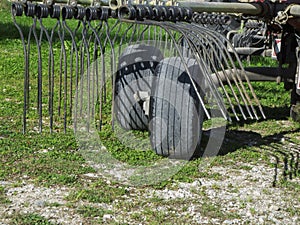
[[29, 219], [54, 160]]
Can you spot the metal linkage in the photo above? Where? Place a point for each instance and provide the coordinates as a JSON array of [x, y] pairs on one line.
[[212, 19]]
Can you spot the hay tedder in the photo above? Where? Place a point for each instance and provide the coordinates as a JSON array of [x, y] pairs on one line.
[[165, 66]]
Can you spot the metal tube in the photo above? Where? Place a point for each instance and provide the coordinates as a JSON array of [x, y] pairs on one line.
[[224, 7], [295, 10], [82, 2]]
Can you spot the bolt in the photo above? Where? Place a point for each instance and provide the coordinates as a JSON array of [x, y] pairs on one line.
[[49, 2], [74, 3]]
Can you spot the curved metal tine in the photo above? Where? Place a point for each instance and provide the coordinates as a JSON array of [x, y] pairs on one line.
[[166, 26], [74, 50], [99, 48], [51, 80], [133, 34], [93, 46], [123, 39], [39, 80], [113, 65], [85, 69], [241, 73], [63, 75], [211, 85], [240, 85], [211, 58], [141, 36], [100, 91], [214, 43], [26, 52], [219, 58], [50, 69]]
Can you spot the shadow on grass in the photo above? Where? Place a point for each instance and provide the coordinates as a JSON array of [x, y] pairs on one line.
[[284, 152]]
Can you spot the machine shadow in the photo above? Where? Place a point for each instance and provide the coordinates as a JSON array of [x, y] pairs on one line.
[[283, 151]]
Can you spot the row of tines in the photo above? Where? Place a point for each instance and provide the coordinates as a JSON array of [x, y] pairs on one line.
[[130, 12]]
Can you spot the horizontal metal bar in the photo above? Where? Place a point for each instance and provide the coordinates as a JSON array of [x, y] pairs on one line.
[[224, 7], [71, 2], [253, 73]]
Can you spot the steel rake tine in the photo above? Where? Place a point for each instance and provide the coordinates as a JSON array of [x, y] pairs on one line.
[[212, 63], [73, 50], [248, 84], [17, 9], [63, 78], [165, 27], [51, 81], [212, 85], [39, 77], [123, 39], [50, 70], [97, 40], [225, 74], [85, 39], [242, 90], [217, 41]]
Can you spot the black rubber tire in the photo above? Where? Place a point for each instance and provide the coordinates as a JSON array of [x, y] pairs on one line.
[[176, 115], [136, 68]]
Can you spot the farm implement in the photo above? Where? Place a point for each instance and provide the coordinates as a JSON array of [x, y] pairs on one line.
[[165, 66]]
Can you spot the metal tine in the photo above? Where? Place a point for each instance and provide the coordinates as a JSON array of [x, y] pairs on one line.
[[210, 62], [97, 33], [84, 63], [166, 26], [241, 73], [74, 50], [67, 14], [63, 74], [123, 39], [93, 45], [17, 10], [50, 70], [113, 65], [77, 78], [241, 87], [215, 42], [212, 86], [216, 58], [39, 78]]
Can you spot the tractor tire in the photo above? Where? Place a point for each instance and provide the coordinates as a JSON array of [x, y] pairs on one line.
[[176, 115], [136, 68]]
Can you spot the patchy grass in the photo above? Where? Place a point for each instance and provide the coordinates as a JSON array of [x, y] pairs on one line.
[[3, 198], [29, 219], [54, 160]]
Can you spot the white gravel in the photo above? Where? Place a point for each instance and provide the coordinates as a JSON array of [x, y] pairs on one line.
[[248, 194]]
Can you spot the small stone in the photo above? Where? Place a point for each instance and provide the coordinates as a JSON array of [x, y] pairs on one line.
[[107, 217]]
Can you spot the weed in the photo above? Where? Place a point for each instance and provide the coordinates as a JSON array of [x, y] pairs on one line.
[[29, 219], [3, 198]]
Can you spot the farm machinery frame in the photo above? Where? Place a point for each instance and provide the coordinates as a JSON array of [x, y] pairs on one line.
[[171, 65]]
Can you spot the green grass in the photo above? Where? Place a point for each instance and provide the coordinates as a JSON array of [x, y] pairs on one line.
[[54, 160], [29, 219], [3, 198], [51, 159]]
